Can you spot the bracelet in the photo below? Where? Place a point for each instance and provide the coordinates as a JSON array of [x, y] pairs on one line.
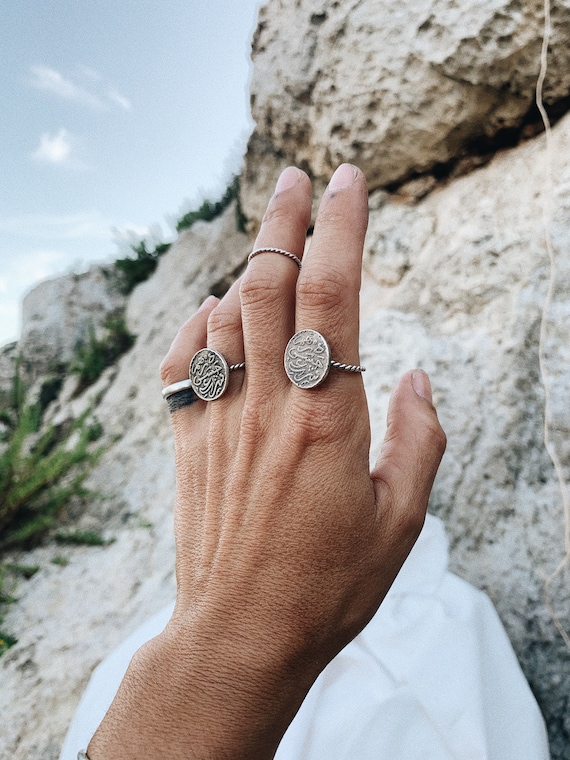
[[82, 755]]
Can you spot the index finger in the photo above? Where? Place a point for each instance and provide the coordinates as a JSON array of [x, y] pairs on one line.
[[329, 283]]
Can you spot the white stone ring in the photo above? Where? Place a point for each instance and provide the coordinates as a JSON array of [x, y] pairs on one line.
[[275, 250], [308, 360]]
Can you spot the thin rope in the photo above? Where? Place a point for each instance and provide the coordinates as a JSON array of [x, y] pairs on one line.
[[547, 218]]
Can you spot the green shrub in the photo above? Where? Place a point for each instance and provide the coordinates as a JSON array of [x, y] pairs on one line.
[[96, 354], [210, 210], [81, 538], [37, 481], [132, 270]]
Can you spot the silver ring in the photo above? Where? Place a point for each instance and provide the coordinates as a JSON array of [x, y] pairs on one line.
[[170, 390], [210, 373], [308, 360], [275, 250]]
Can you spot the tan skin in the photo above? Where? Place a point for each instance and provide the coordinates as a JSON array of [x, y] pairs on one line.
[[286, 543]]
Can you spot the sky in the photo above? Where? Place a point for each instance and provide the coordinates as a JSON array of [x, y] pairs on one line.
[[116, 118]]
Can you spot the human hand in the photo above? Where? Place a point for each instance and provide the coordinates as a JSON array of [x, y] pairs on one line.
[[286, 542]]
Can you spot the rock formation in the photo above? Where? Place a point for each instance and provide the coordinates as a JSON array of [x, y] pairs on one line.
[[454, 282], [397, 89], [58, 314]]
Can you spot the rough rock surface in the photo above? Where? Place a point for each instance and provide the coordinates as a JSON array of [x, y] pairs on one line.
[[58, 314], [464, 275], [395, 88]]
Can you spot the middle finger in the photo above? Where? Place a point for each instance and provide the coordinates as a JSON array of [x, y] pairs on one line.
[[267, 289]]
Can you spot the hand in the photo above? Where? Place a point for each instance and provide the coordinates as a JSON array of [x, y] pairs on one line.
[[286, 542]]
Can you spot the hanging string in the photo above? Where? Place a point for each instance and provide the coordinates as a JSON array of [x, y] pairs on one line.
[[547, 218]]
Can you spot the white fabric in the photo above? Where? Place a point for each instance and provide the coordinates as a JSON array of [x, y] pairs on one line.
[[432, 677]]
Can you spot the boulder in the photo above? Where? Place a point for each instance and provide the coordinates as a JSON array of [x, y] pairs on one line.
[[399, 89]]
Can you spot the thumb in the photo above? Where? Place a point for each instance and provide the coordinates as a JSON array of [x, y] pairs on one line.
[[407, 465]]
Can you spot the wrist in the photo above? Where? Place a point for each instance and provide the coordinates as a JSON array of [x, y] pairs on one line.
[[192, 693]]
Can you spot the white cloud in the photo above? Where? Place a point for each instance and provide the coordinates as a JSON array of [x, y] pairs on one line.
[[53, 149], [119, 99], [52, 81]]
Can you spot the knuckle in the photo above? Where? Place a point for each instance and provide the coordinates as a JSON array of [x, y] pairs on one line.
[[314, 428], [436, 437], [277, 211], [325, 290], [333, 215], [260, 288], [222, 320]]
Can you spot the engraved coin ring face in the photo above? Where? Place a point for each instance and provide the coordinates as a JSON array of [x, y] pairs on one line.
[[307, 359], [209, 374]]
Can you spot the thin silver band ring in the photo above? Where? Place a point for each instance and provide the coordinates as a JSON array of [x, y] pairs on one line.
[[170, 390], [268, 249]]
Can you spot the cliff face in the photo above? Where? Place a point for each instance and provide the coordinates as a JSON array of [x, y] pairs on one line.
[[455, 282]]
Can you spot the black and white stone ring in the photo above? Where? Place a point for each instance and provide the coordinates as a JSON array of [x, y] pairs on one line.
[[308, 360]]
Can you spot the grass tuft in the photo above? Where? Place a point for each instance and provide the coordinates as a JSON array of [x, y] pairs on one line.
[[209, 210], [96, 354], [82, 538]]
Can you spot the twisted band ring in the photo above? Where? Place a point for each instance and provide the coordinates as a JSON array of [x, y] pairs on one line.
[[275, 250]]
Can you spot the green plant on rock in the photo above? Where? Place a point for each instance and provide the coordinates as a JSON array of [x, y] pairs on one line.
[[6, 598], [39, 474], [96, 354], [82, 538], [211, 209], [131, 270]]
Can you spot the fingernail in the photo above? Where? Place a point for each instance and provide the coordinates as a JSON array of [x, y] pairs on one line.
[[287, 179], [421, 384], [343, 177]]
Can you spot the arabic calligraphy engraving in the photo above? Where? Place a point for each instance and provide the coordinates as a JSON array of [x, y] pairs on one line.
[[209, 374], [307, 359]]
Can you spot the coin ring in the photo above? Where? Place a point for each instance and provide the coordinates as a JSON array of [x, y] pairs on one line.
[[307, 359], [209, 374]]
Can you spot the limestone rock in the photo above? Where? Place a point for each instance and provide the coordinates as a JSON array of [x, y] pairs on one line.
[[396, 89], [58, 314]]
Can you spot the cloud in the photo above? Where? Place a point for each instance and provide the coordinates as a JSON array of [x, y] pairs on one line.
[[119, 99], [53, 149], [55, 83], [52, 81]]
